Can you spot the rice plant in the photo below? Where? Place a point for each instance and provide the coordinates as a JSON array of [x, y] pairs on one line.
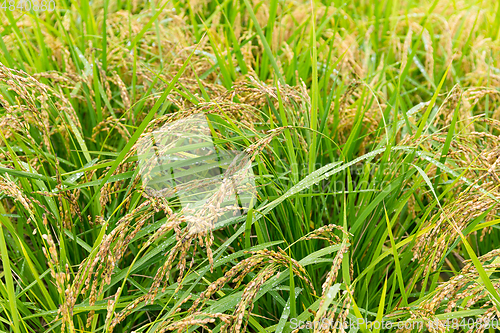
[[249, 166]]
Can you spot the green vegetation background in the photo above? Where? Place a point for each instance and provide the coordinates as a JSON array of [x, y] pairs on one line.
[[373, 129]]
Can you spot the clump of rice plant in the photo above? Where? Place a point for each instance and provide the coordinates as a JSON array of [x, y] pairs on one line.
[[245, 166]]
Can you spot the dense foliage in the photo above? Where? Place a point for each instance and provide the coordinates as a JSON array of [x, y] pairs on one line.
[[372, 129]]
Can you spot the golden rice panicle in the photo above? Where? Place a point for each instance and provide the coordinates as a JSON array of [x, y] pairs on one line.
[[51, 254], [120, 316], [477, 154], [98, 270], [193, 234], [332, 274], [346, 306], [112, 188], [270, 261], [196, 319], [327, 233], [112, 305], [32, 93], [236, 273], [109, 124], [9, 188], [335, 315], [33, 107], [283, 259], [460, 288], [486, 318], [246, 303], [163, 274], [173, 222]]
